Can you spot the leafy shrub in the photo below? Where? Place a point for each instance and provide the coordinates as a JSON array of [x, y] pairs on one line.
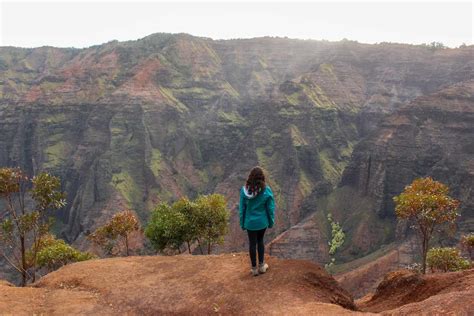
[[118, 228], [166, 228], [25, 221], [203, 220], [55, 253], [337, 239], [446, 259], [337, 235], [427, 203], [467, 242], [212, 219]]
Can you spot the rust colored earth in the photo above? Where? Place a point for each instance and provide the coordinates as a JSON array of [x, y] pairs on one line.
[[222, 284]]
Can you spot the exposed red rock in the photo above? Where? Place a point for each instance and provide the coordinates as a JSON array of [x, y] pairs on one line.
[[405, 292]]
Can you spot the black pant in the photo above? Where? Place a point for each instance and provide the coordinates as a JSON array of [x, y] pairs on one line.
[[256, 238]]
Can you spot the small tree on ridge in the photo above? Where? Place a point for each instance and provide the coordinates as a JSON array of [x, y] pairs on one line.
[[428, 204], [119, 227], [22, 224]]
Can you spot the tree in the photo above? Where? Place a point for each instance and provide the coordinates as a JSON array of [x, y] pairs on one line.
[[185, 221], [467, 242], [212, 219], [117, 229], [166, 228], [54, 253], [428, 204], [337, 240], [190, 229], [446, 259], [24, 224], [437, 45]]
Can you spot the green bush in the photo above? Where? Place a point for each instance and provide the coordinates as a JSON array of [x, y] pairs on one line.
[[446, 259], [467, 242], [166, 228], [337, 240], [212, 219], [203, 220], [55, 253], [120, 227]]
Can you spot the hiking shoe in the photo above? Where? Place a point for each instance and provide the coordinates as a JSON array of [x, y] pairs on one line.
[[262, 268], [254, 271]]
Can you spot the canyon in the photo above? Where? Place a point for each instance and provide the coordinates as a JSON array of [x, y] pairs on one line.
[[339, 127]]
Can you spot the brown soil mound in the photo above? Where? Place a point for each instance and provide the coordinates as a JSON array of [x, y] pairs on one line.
[[219, 284], [364, 279], [406, 292]]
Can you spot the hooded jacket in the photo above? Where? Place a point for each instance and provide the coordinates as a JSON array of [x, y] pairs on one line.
[[257, 211]]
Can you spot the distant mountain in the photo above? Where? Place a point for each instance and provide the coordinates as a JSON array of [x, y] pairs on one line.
[[134, 123]]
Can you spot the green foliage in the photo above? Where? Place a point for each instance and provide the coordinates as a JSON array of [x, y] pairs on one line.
[[428, 204], [118, 228], [55, 253], [446, 259], [212, 219], [25, 224], [434, 46], [185, 221], [467, 242], [46, 192], [166, 228], [337, 235], [337, 240]]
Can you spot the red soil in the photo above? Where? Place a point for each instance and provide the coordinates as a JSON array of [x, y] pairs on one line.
[[186, 284], [405, 292]]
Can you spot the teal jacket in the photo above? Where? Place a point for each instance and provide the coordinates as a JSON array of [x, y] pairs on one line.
[[257, 211]]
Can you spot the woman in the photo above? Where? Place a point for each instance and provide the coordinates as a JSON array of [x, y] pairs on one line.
[[257, 213]]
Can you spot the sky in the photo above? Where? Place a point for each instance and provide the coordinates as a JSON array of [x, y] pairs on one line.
[[86, 23]]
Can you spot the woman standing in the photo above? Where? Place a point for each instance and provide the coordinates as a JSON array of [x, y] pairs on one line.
[[257, 213]]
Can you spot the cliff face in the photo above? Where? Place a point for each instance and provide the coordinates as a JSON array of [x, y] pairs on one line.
[[431, 136], [134, 123]]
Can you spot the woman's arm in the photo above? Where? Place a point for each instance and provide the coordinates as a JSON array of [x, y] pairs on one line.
[[242, 209], [270, 206]]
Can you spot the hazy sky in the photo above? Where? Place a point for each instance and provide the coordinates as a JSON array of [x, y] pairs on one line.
[[82, 24]]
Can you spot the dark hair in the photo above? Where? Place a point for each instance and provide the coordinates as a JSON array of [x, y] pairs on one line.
[[255, 181]]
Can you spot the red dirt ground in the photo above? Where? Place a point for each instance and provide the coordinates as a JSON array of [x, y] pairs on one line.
[[222, 285], [404, 292], [194, 285]]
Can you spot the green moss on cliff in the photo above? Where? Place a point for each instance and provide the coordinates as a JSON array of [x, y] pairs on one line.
[[55, 154], [293, 98], [231, 117], [230, 90], [168, 94], [156, 162], [327, 68], [329, 167], [296, 136], [55, 118], [304, 184], [126, 185], [264, 159], [48, 86]]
